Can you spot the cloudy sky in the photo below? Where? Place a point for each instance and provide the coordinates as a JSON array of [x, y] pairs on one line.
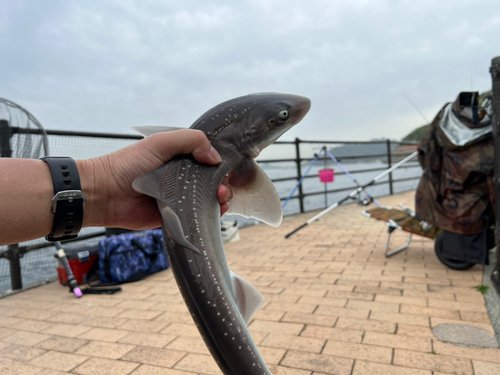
[[109, 65]]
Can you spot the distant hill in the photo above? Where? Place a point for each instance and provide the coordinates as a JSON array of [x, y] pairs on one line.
[[416, 134]]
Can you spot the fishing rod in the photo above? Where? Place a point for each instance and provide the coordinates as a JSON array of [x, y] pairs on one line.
[[353, 194], [351, 177]]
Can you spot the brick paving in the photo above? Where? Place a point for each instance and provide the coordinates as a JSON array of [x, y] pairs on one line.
[[334, 305]]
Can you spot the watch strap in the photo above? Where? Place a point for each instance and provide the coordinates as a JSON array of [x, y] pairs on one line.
[[68, 201]]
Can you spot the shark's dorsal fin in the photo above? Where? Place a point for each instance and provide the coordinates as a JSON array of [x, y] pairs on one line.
[[148, 184], [257, 197], [247, 297], [152, 129]]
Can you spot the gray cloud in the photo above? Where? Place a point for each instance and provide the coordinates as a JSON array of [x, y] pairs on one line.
[[106, 66]]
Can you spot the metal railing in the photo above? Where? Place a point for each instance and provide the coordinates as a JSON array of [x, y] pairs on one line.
[[14, 253]]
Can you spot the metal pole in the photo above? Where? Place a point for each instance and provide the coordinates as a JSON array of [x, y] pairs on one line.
[[299, 173], [324, 167], [14, 257], [354, 193], [5, 135], [389, 165], [495, 77]]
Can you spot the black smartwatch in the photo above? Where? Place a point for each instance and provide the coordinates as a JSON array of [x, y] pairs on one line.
[[68, 202]]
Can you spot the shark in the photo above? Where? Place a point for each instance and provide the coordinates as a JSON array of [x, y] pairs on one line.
[[220, 302]]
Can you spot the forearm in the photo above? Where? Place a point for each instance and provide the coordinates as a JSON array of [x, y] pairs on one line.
[[26, 198]]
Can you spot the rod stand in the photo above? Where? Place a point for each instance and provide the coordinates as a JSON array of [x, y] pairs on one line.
[[391, 227]]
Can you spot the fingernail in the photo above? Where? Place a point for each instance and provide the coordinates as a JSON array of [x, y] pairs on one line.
[[215, 155]]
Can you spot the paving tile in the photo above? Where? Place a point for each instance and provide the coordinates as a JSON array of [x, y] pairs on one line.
[[269, 315], [198, 363], [4, 332], [308, 344], [281, 370], [104, 334], [271, 355], [401, 299], [154, 356], [293, 307], [189, 344], [15, 368], [140, 314], [103, 366], [318, 362], [400, 318], [105, 349], [103, 321], [358, 351], [26, 338], [69, 318], [314, 301], [342, 311], [486, 368], [481, 354], [68, 330], [31, 325], [177, 329], [466, 306], [340, 334], [133, 304], [365, 324], [58, 361], [20, 353], [156, 340], [475, 316], [433, 362], [275, 327], [63, 344], [143, 325], [304, 318], [414, 330], [155, 370], [398, 341], [372, 368]]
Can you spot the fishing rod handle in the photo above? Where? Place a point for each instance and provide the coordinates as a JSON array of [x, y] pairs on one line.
[[295, 230]]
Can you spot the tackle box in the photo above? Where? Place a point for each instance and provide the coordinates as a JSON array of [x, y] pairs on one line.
[[81, 257]]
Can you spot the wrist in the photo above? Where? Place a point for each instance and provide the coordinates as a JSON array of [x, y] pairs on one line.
[[94, 204]]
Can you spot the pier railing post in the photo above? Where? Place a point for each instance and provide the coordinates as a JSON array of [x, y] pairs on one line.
[[14, 256], [299, 173], [495, 77], [389, 165]]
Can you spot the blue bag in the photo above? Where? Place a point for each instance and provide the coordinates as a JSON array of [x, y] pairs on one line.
[[132, 256]]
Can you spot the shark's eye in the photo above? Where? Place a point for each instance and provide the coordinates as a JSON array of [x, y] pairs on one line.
[[283, 115]]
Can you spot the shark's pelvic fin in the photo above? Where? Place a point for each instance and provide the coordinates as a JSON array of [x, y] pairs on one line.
[[173, 227], [152, 129], [247, 297], [258, 198]]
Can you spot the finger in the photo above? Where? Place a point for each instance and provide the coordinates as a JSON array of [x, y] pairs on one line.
[[223, 208], [166, 145], [224, 194]]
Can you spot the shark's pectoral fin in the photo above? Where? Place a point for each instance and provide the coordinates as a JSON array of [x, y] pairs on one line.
[[149, 184], [247, 297], [254, 195], [152, 129]]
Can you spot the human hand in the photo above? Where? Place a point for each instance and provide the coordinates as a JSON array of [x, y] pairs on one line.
[[112, 200]]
